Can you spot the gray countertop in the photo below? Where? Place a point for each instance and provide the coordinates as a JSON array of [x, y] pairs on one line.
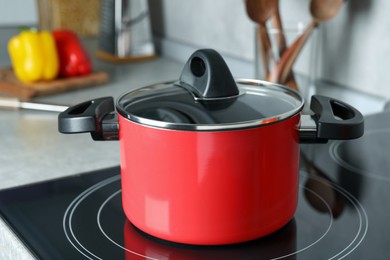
[[32, 149]]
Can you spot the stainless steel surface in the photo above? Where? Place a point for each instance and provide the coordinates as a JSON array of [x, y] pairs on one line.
[[14, 103], [308, 128], [126, 29]]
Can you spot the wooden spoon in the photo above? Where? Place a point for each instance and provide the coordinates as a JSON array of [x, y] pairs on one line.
[[282, 44], [260, 11], [277, 23], [321, 11]]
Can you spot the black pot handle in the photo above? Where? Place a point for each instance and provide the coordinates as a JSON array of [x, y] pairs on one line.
[[207, 75], [332, 119], [96, 116]]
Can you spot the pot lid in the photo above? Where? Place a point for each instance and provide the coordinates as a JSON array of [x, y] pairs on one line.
[[207, 98]]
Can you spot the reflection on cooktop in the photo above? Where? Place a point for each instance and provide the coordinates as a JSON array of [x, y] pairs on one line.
[[362, 168], [365, 156]]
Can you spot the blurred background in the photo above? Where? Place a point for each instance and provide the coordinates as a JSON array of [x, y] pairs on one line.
[[351, 53]]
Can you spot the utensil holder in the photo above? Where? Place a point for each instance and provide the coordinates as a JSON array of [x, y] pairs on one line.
[[304, 70]]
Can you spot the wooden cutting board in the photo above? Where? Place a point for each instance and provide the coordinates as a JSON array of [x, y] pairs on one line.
[[10, 85]]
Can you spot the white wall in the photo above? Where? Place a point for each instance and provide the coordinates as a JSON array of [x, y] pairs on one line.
[[354, 45], [18, 12], [220, 24]]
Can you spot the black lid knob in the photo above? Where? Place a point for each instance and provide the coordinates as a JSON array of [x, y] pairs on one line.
[[207, 75]]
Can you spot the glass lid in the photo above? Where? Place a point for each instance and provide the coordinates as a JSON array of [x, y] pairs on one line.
[[206, 97]]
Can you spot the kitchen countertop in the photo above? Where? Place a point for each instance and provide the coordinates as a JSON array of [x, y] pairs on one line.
[[32, 149]]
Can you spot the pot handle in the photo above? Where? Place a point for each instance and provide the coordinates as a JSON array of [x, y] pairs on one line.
[[96, 116], [332, 119], [207, 75]]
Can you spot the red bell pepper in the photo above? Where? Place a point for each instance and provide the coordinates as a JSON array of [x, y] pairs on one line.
[[74, 60]]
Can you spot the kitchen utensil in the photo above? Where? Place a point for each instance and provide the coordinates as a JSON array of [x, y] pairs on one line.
[[260, 11], [125, 31], [281, 44], [276, 21], [207, 159], [321, 11], [15, 103]]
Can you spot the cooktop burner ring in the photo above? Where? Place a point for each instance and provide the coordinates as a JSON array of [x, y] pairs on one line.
[[363, 218], [116, 193], [280, 257], [72, 237], [335, 152], [67, 219]]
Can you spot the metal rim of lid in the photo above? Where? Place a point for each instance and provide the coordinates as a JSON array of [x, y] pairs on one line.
[[246, 85]]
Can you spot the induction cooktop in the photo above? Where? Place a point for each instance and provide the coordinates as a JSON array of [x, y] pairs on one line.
[[343, 211]]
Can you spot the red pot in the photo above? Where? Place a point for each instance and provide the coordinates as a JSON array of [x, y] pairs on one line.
[[208, 160]]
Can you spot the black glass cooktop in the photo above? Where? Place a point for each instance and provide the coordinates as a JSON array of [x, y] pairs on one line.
[[343, 211]]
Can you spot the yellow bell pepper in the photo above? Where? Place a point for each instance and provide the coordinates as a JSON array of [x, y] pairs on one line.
[[34, 56]]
